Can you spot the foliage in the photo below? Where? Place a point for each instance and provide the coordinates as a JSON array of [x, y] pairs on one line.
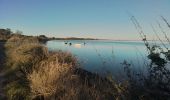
[[5, 34], [17, 90], [156, 84], [32, 72], [44, 76], [22, 53]]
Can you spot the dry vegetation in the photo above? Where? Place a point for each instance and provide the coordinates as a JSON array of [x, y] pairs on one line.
[[44, 76], [32, 72]]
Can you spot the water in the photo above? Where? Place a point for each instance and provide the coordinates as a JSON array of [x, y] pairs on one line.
[[102, 56]]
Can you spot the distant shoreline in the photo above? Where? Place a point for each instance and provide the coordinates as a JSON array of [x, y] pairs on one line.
[[73, 38]]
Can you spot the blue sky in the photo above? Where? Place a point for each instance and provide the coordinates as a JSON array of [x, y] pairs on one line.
[[83, 18]]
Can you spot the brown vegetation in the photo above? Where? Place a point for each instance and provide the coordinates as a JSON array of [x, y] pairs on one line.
[[32, 72], [44, 76]]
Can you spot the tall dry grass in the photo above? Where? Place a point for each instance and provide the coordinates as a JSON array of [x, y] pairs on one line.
[[17, 40], [33, 72], [21, 54], [45, 75], [58, 78]]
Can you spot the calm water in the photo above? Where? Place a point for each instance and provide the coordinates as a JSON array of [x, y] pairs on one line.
[[101, 56]]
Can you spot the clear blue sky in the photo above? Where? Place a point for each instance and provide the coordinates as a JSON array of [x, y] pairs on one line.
[[82, 18]]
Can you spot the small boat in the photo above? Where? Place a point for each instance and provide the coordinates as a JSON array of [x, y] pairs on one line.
[[77, 45]]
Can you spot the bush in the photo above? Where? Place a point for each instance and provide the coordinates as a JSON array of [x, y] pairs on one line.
[[4, 34], [33, 72], [155, 83], [18, 90], [45, 75], [22, 53], [26, 54], [17, 40]]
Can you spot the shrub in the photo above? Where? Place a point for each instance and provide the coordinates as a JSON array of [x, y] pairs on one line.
[[17, 40], [22, 53], [18, 90], [155, 83], [26, 54], [5, 34], [45, 75], [35, 72]]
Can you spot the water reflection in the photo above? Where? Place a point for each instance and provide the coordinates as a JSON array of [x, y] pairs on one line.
[[104, 56]]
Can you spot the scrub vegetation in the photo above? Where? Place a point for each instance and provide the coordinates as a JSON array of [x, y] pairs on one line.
[[30, 72], [154, 84]]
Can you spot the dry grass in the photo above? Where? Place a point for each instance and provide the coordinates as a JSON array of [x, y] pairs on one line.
[[29, 53], [21, 54], [84, 87], [21, 50], [17, 40], [44, 77], [25, 55], [35, 72], [57, 78]]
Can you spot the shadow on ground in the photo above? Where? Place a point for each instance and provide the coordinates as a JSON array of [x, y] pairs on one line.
[[2, 61]]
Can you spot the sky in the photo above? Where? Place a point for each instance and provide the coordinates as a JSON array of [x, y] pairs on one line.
[[106, 19]]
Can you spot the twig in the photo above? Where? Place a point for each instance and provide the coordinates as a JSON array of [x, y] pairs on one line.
[[166, 37], [165, 21], [158, 36]]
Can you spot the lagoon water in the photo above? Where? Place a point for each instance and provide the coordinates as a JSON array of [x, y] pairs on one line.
[[103, 56]]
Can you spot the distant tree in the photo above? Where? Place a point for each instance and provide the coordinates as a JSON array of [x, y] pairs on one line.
[[42, 36], [8, 31], [53, 37], [5, 34], [5, 31]]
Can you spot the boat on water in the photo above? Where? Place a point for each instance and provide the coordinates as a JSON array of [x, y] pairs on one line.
[[77, 45]]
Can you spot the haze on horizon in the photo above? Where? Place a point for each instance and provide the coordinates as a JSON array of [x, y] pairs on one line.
[[107, 19]]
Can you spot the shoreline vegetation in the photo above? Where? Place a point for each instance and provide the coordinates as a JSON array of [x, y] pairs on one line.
[[30, 72]]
